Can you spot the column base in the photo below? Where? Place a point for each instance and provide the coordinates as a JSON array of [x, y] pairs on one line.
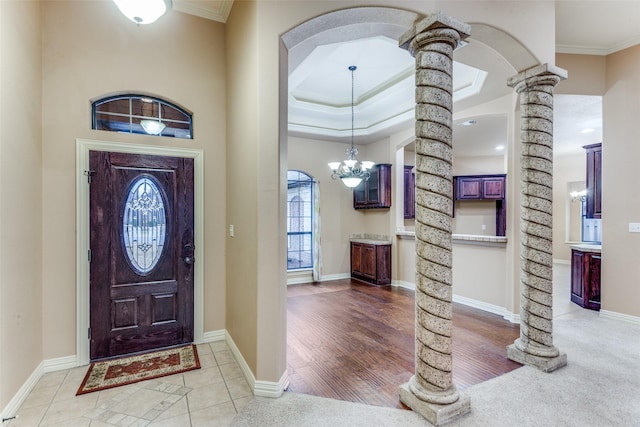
[[545, 364], [432, 412]]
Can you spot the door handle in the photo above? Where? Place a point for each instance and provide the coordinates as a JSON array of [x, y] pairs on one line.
[[187, 252]]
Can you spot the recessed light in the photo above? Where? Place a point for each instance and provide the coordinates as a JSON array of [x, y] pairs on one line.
[[499, 147], [468, 123], [588, 130]]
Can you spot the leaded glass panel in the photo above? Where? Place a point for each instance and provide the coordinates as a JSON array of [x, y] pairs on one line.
[[144, 225]]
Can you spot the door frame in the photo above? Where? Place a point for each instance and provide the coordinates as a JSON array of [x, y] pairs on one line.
[[83, 146]]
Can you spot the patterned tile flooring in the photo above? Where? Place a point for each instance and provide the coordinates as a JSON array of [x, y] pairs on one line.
[[210, 396]]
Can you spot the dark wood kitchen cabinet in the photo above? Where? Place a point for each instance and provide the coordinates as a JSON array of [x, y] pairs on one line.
[[409, 192], [484, 187], [375, 192], [585, 278], [371, 262], [593, 203]]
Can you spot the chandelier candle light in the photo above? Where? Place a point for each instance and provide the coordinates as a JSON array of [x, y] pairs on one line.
[[351, 171]]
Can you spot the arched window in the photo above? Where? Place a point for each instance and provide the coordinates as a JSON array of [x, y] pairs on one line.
[[141, 114], [300, 220]]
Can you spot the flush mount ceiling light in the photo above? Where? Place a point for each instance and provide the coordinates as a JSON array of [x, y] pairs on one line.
[[468, 123], [351, 171], [143, 11]]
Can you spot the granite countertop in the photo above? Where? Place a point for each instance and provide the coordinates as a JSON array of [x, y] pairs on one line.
[[370, 239], [587, 247], [460, 238]]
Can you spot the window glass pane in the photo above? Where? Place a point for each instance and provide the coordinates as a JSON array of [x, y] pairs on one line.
[[144, 225], [299, 220], [142, 115]]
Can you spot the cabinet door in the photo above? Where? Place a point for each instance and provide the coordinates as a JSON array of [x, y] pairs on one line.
[[577, 277], [409, 193], [493, 188], [469, 188], [373, 187], [592, 282], [356, 258], [593, 205], [369, 261]]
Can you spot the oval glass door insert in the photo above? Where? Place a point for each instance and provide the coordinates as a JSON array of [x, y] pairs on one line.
[[144, 225]]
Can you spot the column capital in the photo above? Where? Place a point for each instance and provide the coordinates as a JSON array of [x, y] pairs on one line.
[[534, 76], [435, 21]]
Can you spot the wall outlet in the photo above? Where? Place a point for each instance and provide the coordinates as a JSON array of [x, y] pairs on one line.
[[634, 227], [484, 227], [231, 230]]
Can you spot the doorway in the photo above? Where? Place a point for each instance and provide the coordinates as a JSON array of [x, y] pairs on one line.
[[141, 252], [83, 149]]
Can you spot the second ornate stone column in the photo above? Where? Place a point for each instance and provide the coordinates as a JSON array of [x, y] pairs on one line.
[[431, 392], [535, 345]]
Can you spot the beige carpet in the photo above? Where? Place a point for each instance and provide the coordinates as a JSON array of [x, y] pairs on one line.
[[600, 386]]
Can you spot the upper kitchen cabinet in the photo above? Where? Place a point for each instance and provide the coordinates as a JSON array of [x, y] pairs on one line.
[[484, 187], [375, 192], [593, 203], [409, 192]]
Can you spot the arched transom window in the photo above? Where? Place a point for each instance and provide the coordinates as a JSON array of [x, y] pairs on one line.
[[141, 114]]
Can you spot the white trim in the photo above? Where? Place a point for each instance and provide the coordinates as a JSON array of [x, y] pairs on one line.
[[59, 364], [270, 388], [340, 276], [17, 400], [244, 367], [213, 336], [83, 146], [403, 284], [561, 261], [258, 388], [485, 306], [620, 316]]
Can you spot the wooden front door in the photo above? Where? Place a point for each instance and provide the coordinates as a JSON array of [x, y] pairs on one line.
[[141, 252]]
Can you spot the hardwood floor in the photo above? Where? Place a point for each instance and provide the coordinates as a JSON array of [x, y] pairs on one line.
[[351, 341]]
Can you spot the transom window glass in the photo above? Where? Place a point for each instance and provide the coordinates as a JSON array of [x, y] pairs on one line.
[[143, 115], [144, 225], [299, 220]]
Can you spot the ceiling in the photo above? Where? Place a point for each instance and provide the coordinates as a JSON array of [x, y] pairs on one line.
[[320, 84]]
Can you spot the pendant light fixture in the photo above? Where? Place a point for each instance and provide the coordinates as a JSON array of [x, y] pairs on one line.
[[351, 171], [143, 11]]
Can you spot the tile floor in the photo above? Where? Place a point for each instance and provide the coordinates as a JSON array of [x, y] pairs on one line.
[[210, 396]]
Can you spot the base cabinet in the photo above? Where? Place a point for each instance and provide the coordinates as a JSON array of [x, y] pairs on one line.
[[585, 279], [371, 262]]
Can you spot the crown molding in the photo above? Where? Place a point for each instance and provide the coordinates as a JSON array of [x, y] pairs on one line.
[[214, 10]]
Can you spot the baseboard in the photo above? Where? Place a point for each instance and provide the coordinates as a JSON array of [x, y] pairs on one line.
[[213, 336], [403, 284], [259, 388], [620, 316], [308, 279], [490, 308], [272, 389], [59, 364], [339, 276], [17, 400]]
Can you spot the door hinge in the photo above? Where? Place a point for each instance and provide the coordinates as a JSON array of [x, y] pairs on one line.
[[89, 255], [88, 333], [89, 174]]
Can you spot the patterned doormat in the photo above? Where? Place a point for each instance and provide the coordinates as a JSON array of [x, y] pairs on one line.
[[129, 370]]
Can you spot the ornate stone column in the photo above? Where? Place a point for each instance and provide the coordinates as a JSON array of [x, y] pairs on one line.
[[431, 392], [535, 345]]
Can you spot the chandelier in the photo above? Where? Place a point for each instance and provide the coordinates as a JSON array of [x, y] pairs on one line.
[[578, 196], [351, 170], [143, 11]]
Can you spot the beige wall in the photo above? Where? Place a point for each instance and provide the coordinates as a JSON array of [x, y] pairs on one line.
[[620, 192], [242, 179], [586, 74], [20, 196], [566, 168], [90, 50]]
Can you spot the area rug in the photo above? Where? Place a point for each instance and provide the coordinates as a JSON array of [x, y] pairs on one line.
[[131, 369]]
